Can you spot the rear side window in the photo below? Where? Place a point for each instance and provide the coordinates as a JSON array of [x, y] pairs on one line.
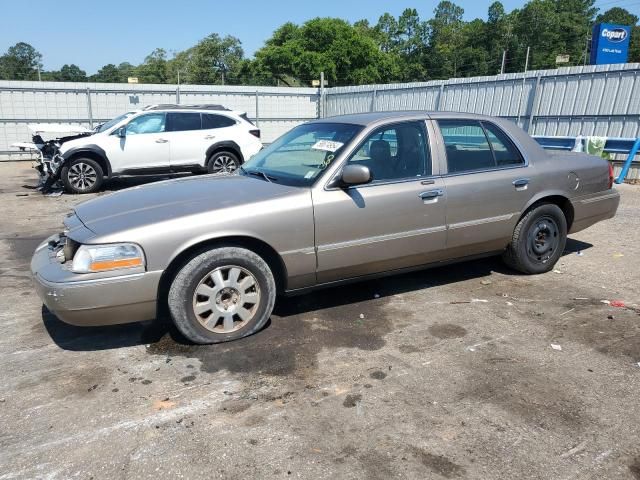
[[504, 150], [210, 121], [181, 122], [473, 145]]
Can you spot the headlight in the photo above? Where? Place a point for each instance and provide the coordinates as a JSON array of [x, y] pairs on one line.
[[102, 258]]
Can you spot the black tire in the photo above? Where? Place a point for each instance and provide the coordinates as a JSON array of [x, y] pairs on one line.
[[82, 175], [197, 273], [538, 240], [223, 162]]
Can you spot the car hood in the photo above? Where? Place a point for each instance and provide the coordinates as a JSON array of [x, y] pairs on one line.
[[155, 203]]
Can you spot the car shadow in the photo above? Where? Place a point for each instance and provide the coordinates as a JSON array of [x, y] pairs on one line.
[[70, 337]]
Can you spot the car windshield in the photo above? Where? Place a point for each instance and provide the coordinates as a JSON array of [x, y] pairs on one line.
[[299, 156], [114, 121]]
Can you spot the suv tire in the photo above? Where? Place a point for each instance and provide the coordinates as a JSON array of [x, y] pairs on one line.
[[222, 294], [223, 163], [538, 240], [82, 175]]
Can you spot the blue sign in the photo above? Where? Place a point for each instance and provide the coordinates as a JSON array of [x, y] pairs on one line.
[[610, 43]]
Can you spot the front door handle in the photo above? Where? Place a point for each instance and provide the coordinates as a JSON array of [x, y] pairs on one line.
[[521, 183], [161, 140], [431, 194]]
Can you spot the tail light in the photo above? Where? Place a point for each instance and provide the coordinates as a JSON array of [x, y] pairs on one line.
[[610, 175], [255, 133]]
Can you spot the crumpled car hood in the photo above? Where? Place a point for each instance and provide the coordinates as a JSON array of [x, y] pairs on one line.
[[169, 200]]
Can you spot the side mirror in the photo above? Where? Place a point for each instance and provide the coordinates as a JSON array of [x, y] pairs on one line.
[[356, 175], [121, 132]]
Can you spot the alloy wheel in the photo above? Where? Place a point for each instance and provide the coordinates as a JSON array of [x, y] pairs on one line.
[[224, 165], [226, 299], [82, 176]]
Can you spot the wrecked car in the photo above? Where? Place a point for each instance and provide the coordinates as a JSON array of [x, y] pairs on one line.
[[157, 139], [46, 141], [334, 200]]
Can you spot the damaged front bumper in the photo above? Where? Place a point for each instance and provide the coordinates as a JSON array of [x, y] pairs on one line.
[[91, 299]]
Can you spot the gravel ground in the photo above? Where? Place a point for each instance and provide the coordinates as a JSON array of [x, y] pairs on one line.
[[446, 373]]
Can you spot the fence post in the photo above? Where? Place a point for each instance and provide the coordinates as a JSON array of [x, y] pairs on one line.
[[374, 96], [257, 108], [440, 97], [178, 95], [321, 105], [534, 105], [89, 108]]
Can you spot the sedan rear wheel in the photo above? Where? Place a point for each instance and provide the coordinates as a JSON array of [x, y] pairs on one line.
[[222, 294], [538, 240]]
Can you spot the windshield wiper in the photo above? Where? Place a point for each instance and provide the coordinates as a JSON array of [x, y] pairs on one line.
[[258, 173]]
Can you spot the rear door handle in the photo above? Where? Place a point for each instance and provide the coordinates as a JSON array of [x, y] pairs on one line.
[[161, 140], [431, 194], [521, 183], [209, 137]]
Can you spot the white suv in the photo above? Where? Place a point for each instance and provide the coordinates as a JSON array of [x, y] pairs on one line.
[[158, 139]]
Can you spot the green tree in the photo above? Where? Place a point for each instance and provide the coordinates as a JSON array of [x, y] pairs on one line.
[[445, 40], [212, 61], [107, 74], [154, 68], [70, 73], [551, 28], [20, 62], [345, 53]]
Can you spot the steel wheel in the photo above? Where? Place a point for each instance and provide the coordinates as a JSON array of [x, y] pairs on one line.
[[223, 165], [226, 299], [82, 176], [543, 239]]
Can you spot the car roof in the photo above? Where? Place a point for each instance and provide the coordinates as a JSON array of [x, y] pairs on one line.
[[371, 118]]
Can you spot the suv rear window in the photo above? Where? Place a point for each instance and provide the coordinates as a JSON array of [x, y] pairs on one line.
[[180, 122], [210, 120]]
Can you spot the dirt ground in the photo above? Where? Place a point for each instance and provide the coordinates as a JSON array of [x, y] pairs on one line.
[[446, 373]]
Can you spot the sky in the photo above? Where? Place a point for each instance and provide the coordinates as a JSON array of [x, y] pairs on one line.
[[94, 33]]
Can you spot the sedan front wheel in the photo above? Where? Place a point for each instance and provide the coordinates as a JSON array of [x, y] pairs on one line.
[[222, 294]]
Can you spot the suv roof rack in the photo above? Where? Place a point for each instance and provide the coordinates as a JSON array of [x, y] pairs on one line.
[[171, 106]]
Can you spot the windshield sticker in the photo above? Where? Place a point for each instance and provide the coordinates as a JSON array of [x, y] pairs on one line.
[[327, 145], [309, 174]]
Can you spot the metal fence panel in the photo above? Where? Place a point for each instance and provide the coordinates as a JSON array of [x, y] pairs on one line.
[[590, 100], [274, 109]]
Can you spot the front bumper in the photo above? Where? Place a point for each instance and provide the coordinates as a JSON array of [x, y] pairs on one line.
[[78, 300]]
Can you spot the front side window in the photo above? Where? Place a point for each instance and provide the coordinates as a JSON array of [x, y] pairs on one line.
[[149, 123], [473, 145], [182, 122], [395, 152], [299, 156], [210, 121]]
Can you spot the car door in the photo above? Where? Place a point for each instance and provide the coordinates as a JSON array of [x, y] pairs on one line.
[[487, 185], [186, 139], [143, 146], [395, 221]]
